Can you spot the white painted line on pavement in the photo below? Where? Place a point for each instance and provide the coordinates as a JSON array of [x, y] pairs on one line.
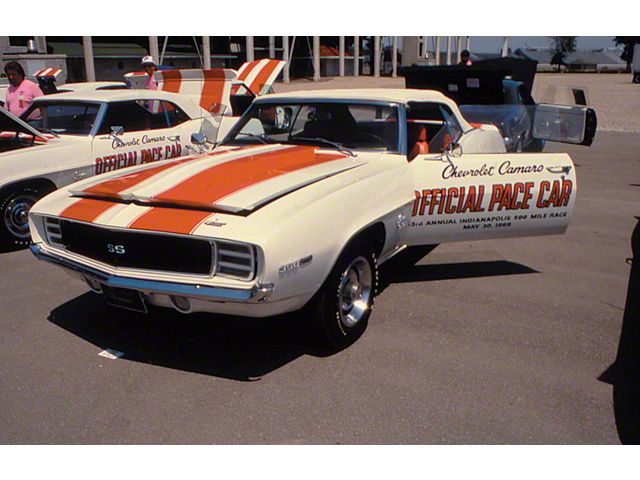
[[111, 354]]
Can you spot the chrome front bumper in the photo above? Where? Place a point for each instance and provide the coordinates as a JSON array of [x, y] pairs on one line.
[[256, 294]]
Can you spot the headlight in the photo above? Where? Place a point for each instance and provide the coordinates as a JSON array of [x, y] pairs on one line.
[[53, 232], [235, 260]]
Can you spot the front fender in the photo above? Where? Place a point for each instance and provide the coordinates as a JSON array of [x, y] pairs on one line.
[[322, 229]]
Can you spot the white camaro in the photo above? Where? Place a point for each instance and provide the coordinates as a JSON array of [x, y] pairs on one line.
[[306, 196], [69, 136]]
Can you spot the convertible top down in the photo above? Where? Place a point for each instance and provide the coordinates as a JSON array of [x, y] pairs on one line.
[[303, 200]]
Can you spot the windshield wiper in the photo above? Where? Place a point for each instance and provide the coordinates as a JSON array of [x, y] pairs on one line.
[[338, 146], [262, 137]]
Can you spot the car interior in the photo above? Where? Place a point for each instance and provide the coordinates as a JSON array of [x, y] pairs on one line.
[[142, 115], [431, 128], [72, 118]]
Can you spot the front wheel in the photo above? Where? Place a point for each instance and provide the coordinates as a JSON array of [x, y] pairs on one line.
[[343, 305], [15, 204]]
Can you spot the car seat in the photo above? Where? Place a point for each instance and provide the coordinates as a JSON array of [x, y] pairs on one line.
[[417, 140]]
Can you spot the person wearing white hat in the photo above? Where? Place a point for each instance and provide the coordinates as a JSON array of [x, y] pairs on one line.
[[149, 65]]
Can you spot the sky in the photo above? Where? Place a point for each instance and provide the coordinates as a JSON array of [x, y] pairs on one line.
[[494, 44]]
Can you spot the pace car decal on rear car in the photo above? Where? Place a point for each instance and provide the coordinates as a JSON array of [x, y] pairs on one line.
[[145, 154]]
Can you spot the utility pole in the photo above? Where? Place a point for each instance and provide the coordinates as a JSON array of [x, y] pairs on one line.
[[249, 48], [206, 52], [376, 56], [394, 57], [89, 67], [272, 47], [285, 57], [154, 51], [316, 58], [341, 61], [356, 56]]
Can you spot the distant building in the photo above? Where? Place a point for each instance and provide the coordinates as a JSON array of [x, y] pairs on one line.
[[601, 60]]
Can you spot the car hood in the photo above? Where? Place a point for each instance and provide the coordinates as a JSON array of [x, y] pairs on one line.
[[237, 180]]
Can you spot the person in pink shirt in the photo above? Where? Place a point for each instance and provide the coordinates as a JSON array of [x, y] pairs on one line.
[[150, 67], [21, 92]]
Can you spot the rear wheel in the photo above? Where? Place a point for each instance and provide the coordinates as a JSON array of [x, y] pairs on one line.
[[343, 305], [15, 204]]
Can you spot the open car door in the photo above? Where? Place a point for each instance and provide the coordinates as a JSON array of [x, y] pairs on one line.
[[482, 196], [563, 123]]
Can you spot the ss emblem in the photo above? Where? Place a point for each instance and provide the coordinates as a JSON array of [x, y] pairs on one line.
[[119, 249]]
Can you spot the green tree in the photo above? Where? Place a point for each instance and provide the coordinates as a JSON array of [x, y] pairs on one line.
[[627, 52], [561, 46]]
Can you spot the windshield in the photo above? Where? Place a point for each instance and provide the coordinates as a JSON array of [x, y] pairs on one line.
[[69, 118], [359, 126]]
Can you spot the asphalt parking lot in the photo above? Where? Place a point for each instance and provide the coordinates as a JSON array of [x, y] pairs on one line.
[[503, 341]]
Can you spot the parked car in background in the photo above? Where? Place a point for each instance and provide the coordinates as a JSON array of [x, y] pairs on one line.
[[66, 137], [499, 93]]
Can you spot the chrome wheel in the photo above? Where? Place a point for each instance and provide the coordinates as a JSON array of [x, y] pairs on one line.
[[354, 292], [16, 215]]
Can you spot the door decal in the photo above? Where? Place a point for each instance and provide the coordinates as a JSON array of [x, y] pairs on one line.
[[502, 195], [144, 154]]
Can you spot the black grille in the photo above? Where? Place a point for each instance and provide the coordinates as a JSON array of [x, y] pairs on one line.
[[131, 249]]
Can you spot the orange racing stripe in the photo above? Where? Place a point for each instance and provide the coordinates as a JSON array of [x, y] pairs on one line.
[[86, 209], [221, 180], [212, 90], [263, 76], [244, 75], [171, 81], [117, 185], [112, 187], [171, 220]]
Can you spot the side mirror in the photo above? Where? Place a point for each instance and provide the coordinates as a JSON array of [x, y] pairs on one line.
[[117, 130], [198, 139], [453, 150], [456, 150]]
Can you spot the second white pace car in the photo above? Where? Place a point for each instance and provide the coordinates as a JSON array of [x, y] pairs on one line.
[[66, 137], [307, 195]]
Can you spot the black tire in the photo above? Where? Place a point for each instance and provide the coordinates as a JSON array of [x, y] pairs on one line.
[[334, 326], [15, 204]]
